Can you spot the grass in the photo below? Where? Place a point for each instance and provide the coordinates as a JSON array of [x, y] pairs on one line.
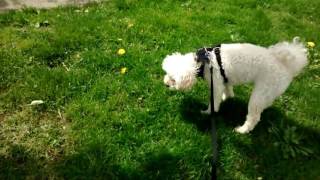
[[97, 123]]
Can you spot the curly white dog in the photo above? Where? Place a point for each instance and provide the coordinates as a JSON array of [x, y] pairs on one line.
[[270, 70]]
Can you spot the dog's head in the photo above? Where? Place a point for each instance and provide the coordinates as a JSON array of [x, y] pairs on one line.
[[180, 70]]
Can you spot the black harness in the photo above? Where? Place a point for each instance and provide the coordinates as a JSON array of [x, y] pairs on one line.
[[203, 57]]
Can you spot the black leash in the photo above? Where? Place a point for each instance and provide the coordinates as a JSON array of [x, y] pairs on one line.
[[213, 133], [203, 56]]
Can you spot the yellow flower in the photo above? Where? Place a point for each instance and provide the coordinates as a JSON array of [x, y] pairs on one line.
[[123, 70], [130, 25], [121, 51], [311, 44]]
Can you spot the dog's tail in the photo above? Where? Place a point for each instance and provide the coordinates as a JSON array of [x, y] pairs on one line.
[[292, 55]]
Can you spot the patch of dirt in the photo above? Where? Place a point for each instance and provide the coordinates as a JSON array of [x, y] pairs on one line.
[[3, 3], [18, 4], [2, 116]]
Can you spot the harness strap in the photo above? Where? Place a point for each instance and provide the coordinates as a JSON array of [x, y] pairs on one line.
[[218, 57], [203, 57]]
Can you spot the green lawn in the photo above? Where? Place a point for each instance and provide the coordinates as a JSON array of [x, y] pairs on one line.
[[98, 123]]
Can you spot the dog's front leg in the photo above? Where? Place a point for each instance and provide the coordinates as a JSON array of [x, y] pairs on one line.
[[208, 111], [218, 89], [228, 92], [217, 94]]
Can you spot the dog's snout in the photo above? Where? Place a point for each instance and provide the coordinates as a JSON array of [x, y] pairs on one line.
[[167, 85]]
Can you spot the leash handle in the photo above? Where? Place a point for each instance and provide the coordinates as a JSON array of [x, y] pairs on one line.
[[213, 131]]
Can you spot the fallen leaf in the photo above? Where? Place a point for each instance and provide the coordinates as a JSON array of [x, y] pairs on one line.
[[36, 102]]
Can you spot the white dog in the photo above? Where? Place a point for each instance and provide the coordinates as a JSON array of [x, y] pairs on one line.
[[270, 70]]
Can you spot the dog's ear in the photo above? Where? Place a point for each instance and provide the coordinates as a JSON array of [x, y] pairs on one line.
[[202, 54], [186, 82]]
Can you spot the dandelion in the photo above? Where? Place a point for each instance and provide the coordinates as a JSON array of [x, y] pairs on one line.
[[130, 25], [121, 52], [123, 70], [37, 25], [311, 44]]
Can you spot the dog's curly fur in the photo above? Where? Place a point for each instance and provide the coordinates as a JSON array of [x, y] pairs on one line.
[[270, 69]]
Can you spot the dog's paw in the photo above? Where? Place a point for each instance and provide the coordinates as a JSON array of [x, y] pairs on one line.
[[242, 129], [224, 97], [206, 112]]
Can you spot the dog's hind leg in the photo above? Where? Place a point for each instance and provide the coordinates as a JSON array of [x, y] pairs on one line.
[[253, 117], [262, 97]]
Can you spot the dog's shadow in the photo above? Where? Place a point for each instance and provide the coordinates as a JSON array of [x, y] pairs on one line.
[[278, 143], [232, 112]]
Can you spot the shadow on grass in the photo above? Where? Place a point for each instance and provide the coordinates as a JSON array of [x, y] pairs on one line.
[[93, 162], [97, 163], [19, 163], [232, 112], [278, 147], [163, 165], [263, 156]]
